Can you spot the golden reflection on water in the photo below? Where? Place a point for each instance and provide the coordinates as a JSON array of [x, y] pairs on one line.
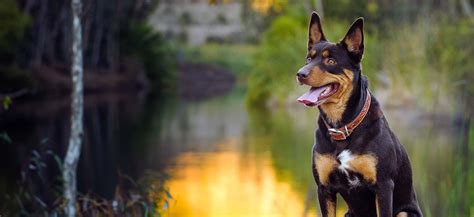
[[224, 160], [227, 184], [231, 183]]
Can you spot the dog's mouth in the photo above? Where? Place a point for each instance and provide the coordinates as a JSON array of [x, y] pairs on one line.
[[317, 95]]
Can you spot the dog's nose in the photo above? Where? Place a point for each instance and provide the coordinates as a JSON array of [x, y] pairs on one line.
[[301, 75]]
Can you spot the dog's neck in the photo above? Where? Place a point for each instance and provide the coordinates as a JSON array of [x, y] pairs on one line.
[[353, 106]]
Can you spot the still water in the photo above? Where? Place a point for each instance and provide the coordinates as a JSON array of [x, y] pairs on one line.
[[232, 161], [223, 159]]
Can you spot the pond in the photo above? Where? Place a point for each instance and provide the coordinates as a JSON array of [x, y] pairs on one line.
[[221, 158]]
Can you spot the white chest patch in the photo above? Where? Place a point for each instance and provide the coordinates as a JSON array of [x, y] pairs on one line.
[[345, 157]]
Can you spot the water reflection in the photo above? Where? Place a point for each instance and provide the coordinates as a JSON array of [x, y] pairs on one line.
[[41, 125], [225, 160], [237, 162], [232, 162], [231, 184]]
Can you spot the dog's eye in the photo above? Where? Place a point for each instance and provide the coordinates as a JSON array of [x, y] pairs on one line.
[[308, 60], [331, 61]]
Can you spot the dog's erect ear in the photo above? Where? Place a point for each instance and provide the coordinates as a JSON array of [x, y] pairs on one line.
[[354, 39], [315, 31]]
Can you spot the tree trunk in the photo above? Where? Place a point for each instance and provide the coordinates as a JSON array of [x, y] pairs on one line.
[[41, 34], [98, 23], [466, 8], [74, 147], [319, 8]]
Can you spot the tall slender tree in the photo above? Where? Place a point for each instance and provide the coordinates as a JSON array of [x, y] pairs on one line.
[[319, 7], [77, 104]]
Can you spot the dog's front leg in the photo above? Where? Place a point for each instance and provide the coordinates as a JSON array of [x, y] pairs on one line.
[[327, 202], [384, 198]]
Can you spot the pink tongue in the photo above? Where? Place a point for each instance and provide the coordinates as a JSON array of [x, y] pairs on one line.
[[310, 98]]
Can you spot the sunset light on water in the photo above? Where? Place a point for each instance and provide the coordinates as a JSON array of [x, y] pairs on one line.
[[231, 183]]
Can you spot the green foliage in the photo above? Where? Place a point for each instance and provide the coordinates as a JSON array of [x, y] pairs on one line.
[[13, 25], [6, 101], [379, 12], [452, 50], [235, 57], [147, 196], [403, 60], [141, 42], [460, 180], [345, 10], [424, 62], [283, 46]]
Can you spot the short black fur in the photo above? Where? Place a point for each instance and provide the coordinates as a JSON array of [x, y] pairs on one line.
[[392, 192]]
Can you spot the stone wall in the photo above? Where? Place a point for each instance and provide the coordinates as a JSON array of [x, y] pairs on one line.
[[198, 21]]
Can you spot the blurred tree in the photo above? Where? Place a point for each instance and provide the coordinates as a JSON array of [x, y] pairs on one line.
[[139, 41], [43, 49], [466, 8], [50, 35], [318, 4]]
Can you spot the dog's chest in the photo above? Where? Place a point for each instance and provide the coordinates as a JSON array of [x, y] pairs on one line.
[[346, 168]]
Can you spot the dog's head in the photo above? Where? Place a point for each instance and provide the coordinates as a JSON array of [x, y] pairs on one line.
[[331, 69]]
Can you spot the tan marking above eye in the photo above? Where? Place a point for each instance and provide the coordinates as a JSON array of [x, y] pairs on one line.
[[312, 53], [402, 214], [325, 53]]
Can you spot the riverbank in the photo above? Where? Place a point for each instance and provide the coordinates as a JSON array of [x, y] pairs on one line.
[[196, 81], [201, 81]]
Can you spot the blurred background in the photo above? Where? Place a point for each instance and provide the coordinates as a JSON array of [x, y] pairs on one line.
[[191, 104]]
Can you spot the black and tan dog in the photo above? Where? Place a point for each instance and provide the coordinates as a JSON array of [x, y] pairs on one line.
[[356, 154]]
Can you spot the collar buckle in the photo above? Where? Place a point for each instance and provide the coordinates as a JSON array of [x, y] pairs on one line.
[[333, 131]]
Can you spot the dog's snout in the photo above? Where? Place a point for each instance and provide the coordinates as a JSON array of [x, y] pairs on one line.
[[302, 74]]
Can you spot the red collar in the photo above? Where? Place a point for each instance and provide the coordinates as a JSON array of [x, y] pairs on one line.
[[345, 131]]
